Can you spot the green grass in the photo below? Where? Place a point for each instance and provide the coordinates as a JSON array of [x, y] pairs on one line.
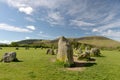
[[36, 65]]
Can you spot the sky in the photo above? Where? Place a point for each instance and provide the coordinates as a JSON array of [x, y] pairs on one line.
[[49, 19]]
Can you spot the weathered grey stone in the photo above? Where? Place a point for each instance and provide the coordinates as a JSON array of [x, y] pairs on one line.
[[65, 51], [26, 48], [95, 51], [77, 52], [85, 55], [50, 51], [87, 48], [56, 51], [9, 57], [0, 48], [17, 48]]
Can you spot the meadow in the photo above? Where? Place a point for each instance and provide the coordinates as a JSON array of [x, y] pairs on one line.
[[36, 65]]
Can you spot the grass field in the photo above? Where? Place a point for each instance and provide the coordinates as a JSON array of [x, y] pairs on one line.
[[36, 65]]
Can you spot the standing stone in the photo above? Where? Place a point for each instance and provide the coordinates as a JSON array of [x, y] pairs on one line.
[[9, 57], [0, 48], [17, 48], [65, 51], [50, 51]]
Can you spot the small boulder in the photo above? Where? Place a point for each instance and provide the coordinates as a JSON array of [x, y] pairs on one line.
[[95, 52], [50, 51], [9, 57], [85, 55]]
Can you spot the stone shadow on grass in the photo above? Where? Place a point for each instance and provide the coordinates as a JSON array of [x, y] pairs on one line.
[[16, 60], [85, 64]]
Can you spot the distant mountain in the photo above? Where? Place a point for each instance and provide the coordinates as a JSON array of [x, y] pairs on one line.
[[28, 41], [98, 41]]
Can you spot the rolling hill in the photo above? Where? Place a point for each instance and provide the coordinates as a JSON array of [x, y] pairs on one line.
[[97, 41]]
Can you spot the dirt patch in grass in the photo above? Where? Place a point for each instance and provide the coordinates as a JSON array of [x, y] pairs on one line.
[[81, 65]]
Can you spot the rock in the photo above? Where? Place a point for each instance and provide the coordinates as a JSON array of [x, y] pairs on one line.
[[9, 57], [50, 51], [56, 51], [95, 51], [65, 51], [77, 52], [17, 48], [87, 48], [26, 48], [85, 55], [0, 48]]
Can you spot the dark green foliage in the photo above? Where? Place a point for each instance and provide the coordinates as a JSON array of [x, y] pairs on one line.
[[14, 44]]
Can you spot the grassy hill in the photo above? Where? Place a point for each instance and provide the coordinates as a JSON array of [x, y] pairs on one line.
[[97, 41]]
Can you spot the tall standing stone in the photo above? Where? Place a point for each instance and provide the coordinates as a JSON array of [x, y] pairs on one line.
[[65, 51]]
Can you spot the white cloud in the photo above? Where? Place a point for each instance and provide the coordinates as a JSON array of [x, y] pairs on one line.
[[45, 35], [5, 41], [81, 23], [112, 33], [21, 5], [41, 32], [26, 10], [12, 28], [55, 18], [31, 27], [112, 25], [27, 37], [95, 30], [30, 19]]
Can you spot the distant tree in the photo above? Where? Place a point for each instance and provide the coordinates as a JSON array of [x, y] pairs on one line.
[[14, 44]]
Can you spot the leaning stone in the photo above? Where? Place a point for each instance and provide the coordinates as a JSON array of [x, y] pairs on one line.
[[65, 51]]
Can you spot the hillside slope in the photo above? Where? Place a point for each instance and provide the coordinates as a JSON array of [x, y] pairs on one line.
[[98, 41]]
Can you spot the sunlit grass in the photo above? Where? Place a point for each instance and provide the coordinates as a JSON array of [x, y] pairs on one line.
[[36, 65]]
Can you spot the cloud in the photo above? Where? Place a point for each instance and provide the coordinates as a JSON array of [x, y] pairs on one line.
[[96, 16], [94, 30], [41, 32], [21, 5], [112, 33], [30, 19], [81, 23], [31, 27], [45, 35], [7, 41], [26, 10], [112, 25], [7, 27], [27, 37], [55, 18]]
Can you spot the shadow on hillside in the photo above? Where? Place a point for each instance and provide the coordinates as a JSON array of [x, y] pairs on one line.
[[84, 64]]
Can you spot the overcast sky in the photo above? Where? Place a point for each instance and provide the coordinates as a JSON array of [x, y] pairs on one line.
[[49, 19]]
